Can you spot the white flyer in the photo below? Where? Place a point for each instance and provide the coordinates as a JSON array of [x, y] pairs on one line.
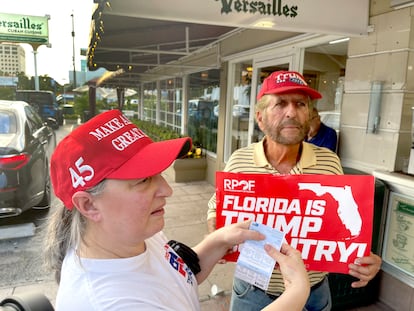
[[254, 265]]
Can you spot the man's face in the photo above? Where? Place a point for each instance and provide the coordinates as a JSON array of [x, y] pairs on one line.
[[286, 118]]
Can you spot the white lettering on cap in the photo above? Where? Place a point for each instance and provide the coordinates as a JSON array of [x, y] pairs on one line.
[[107, 129], [290, 77], [80, 173], [127, 138]]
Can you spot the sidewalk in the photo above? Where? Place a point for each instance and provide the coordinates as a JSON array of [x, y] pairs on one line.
[[185, 222]]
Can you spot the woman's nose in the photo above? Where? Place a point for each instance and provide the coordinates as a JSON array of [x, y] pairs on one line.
[[164, 189]]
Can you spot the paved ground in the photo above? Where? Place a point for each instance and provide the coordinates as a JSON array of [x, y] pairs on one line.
[[185, 222]]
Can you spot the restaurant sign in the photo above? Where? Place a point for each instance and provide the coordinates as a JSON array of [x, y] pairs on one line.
[[273, 8], [309, 16], [24, 28]]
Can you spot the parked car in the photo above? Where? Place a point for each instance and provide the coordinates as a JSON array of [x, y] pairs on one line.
[[68, 110], [201, 109], [26, 144], [216, 111], [241, 111], [45, 104]]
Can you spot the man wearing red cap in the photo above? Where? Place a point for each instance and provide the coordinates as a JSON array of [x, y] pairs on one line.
[[105, 243], [283, 109]]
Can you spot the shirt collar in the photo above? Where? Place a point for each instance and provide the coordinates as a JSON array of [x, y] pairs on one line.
[[307, 158]]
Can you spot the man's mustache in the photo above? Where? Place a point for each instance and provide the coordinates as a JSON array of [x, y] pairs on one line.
[[290, 123]]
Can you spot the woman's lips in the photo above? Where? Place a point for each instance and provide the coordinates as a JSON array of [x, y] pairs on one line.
[[158, 212]]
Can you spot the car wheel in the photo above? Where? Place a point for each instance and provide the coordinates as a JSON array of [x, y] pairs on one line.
[[46, 200]]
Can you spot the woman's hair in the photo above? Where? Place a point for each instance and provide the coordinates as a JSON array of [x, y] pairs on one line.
[[65, 230]]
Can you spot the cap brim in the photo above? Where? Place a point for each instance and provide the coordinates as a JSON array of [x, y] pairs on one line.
[[288, 89], [152, 159]]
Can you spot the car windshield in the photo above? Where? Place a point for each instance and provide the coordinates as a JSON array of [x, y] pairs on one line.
[[35, 97], [7, 123]]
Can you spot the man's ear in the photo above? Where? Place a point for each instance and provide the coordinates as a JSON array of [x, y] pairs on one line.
[[84, 203], [259, 119]]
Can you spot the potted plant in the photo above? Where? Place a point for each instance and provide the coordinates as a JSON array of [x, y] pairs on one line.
[[71, 118], [192, 167]]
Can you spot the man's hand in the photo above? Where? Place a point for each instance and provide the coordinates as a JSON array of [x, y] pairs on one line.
[[365, 269], [211, 225]]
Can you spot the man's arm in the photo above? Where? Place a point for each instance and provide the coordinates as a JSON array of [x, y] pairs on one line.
[[211, 214], [211, 224]]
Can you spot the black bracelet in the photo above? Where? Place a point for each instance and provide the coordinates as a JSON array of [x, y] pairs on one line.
[[189, 256]]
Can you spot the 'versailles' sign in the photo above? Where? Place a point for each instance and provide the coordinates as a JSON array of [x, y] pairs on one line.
[[327, 217]]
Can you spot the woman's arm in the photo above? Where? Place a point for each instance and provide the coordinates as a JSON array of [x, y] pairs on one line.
[[295, 277]]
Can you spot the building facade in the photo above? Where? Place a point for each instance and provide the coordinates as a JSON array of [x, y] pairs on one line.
[[12, 59], [366, 80]]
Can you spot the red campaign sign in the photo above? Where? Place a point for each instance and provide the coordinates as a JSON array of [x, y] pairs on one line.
[[327, 217]]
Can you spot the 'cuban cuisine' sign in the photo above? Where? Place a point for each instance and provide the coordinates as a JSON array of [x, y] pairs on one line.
[[327, 217], [24, 28]]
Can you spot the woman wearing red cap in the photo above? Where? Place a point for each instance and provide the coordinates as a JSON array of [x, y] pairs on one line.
[[105, 243]]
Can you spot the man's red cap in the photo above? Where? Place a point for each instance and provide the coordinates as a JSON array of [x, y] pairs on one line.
[[281, 82], [109, 146]]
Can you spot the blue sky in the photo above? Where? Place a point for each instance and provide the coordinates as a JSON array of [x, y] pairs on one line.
[[57, 60]]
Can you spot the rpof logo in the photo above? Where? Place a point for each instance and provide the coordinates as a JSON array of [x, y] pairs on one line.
[[239, 185]]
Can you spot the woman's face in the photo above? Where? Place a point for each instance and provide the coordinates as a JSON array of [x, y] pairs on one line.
[[132, 210]]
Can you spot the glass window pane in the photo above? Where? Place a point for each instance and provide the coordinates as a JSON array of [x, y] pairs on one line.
[[240, 105], [204, 96]]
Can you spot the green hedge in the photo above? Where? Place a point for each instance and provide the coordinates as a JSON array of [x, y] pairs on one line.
[[156, 132]]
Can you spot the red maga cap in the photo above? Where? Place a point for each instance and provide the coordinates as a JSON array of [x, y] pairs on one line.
[[281, 82], [109, 146]]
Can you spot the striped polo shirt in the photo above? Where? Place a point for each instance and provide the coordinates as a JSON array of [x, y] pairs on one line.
[[252, 159]]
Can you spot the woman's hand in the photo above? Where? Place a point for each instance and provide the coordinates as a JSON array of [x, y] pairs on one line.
[[221, 242], [290, 263]]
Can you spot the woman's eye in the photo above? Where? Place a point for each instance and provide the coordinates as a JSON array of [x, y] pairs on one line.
[[142, 180]]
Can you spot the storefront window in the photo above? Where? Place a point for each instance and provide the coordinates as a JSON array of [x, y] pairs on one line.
[[150, 101], [324, 70], [239, 105], [171, 99], [204, 96]]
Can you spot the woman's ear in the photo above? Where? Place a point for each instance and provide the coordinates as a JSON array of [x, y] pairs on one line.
[[84, 203]]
